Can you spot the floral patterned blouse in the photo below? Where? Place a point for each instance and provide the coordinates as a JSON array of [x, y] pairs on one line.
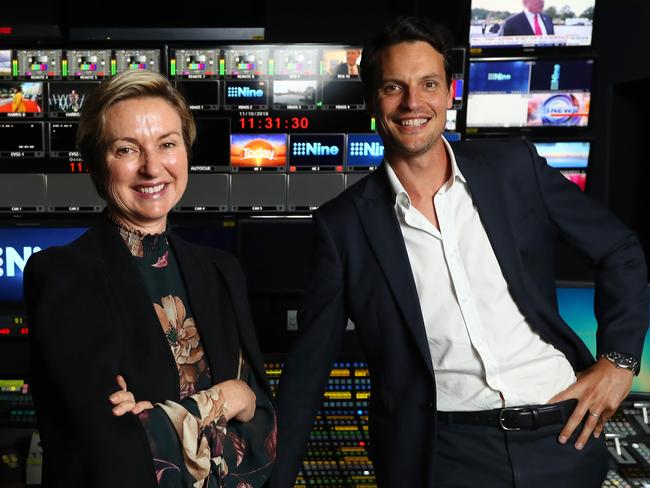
[[188, 451]]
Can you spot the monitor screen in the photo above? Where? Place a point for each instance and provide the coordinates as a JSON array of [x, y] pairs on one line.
[[258, 152], [21, 99], [342, 62], [316, 152], [576, 305], [39, 64], [63, 139], [570, 157], [564, 155], [288, 61], [21, 140], [294, 94], [88, 64], [531, 23], [365, 152], [17, 244], [505, 93], [66, 98], [5, 63], [194, 63], [136, 59], [200, 95], [245, 94], [246, 61], [343, 94]]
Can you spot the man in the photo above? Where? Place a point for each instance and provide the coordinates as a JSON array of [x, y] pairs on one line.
[[443, 259], [350, 67], [530, 22]]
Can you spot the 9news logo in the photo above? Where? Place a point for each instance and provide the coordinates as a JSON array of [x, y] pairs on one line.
[[244, 92], [11, 260]]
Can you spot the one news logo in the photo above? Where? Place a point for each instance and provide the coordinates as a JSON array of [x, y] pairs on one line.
[[313, 149], [13, 260], [244, 92]]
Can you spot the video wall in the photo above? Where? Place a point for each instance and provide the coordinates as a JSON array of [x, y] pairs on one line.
[[531, 72]]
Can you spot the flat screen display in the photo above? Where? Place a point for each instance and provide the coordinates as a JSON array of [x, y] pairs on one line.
[[531, 23]]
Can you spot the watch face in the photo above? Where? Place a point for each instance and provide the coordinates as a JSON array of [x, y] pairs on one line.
[[622, 360]]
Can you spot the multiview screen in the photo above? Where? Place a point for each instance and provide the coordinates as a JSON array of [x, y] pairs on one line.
[[531, 23], [529, 93]]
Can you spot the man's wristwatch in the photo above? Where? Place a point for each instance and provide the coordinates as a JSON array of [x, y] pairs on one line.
[[622, 360]]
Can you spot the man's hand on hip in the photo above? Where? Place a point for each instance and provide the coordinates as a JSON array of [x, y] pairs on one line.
[[599, 390]]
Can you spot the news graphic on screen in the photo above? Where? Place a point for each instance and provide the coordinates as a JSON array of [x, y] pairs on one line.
[[21, 99], [294, 94], [246, 61], [17, 244], [342, 95], [341, 62], [87, 64], [65, 99], [316, 152], [135, 59], [576, 307], [570, 157], [244, 95], [39, 64], [365, 152], [529, 93], [292, 62], [21, 140], [5, 63], [194, 63], [258, 152], [531, 23], [201, 94]]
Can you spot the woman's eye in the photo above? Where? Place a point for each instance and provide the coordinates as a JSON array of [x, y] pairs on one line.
[[124, 151]]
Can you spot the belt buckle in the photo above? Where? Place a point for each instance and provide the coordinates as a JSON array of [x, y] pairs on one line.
[[510, 409]]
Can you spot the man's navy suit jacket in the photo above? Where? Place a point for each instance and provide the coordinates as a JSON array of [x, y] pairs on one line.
[[361, 270], [518, 25]]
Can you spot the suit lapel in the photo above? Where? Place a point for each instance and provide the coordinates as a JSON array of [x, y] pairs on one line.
[[481, 178], [212, 309], [380, 224]]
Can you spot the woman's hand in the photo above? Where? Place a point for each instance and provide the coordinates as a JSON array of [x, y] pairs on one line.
[[239, 398], [125, 402]]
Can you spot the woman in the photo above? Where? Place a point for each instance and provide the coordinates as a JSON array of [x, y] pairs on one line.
[[18, 102], [130, 316]]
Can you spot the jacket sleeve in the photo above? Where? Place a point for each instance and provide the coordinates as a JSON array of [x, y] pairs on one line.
[[188, 451], [74, 360], [621, 293], [321, 323]]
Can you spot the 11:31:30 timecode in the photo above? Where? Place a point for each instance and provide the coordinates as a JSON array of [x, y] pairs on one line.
[[274, 123]]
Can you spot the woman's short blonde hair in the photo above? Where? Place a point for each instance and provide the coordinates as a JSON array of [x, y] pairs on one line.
[[91, 134]]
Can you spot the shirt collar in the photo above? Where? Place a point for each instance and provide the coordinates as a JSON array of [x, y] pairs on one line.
[[401, 195], [531, 16], [141, 244]]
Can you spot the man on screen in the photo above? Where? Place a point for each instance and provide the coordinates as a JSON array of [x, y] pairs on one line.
[[350, 67], [530, 22], [443, 259]]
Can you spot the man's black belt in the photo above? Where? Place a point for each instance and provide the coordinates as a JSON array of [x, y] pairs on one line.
[[528, 417]]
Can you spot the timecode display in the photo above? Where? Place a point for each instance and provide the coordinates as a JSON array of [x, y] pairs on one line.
[[274, 123]]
